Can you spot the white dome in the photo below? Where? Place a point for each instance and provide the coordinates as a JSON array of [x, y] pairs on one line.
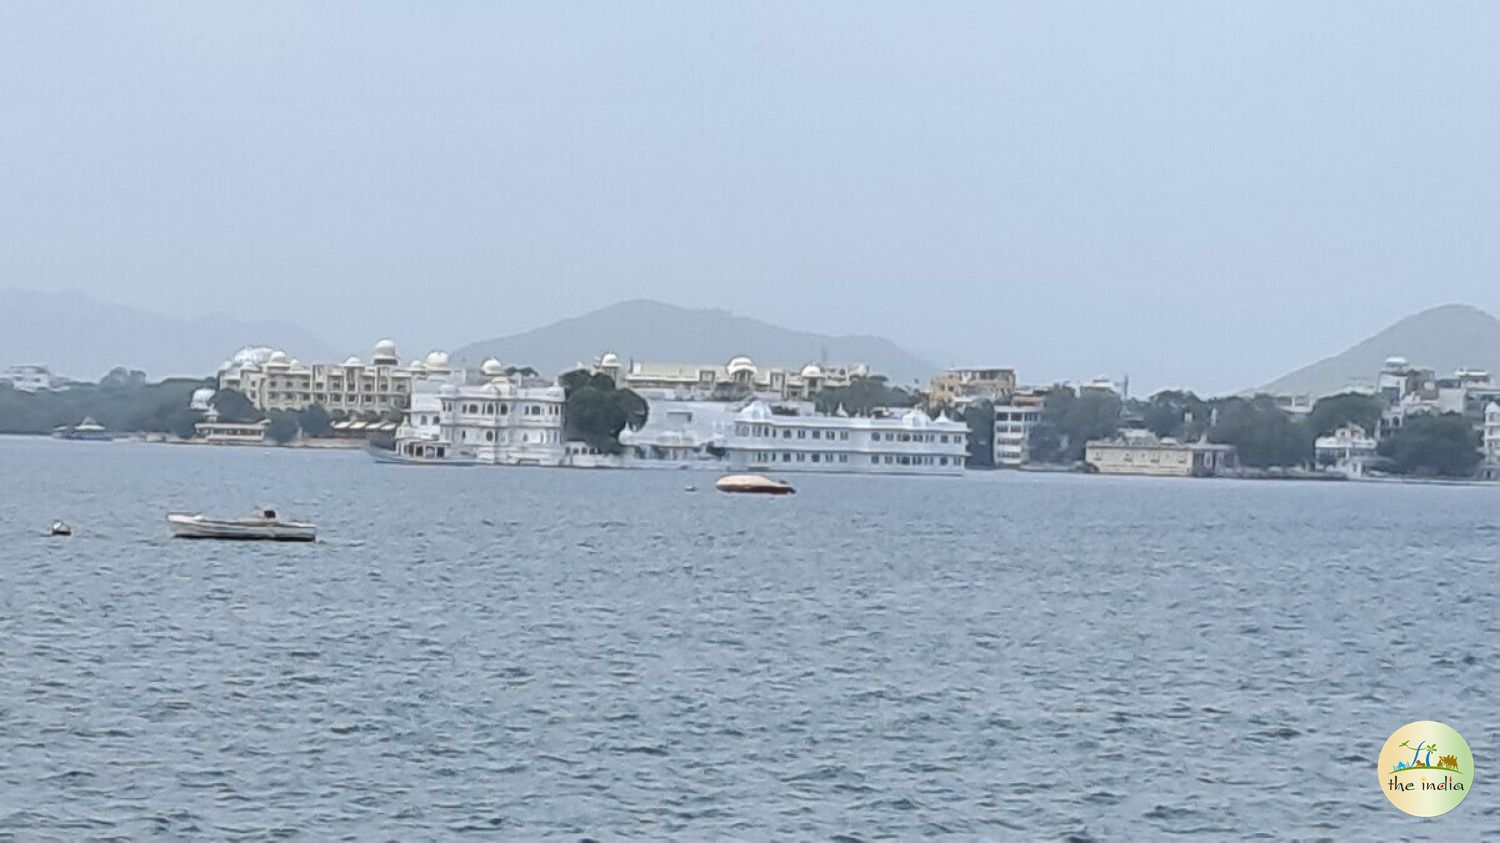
[[353, 361], [201, 398], [252, 354], [812, 370], [385, 348], [916, 418], [277, 357], [740, 364], [610, 360], [437, 360], [1395, 362], [755, 411], [492, 368]]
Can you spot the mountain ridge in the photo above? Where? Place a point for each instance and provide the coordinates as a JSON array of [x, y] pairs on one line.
[[1442, 338], [647, 329], [81, 337]]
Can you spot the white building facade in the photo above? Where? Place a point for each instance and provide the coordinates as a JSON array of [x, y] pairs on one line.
[[28, 378], [1347, 448], [1492, 434], [503, 421], [1013, 426], [913, 443]]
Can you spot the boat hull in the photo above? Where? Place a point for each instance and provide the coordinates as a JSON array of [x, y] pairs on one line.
[[751, 484], [381, 455], [198, 527]]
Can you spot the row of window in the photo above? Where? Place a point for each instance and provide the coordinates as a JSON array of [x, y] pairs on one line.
[[768, 431], [769, 457], [540, 437], [1018, 416], [327, 399], [492, 408], [334, 384]]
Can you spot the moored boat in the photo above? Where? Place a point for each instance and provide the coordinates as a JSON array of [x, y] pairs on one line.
[[753, 484], [266, 527], [416, 450], [86, 431]]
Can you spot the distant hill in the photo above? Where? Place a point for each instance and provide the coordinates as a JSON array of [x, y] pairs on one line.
[[1443, 338], [652, 331], [83, 338]]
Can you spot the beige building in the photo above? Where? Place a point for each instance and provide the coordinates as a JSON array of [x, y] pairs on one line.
[[960, 386], [274, 381], [1142, 453], [741, 375]]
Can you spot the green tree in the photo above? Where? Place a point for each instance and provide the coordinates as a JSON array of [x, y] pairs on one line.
[[1335, 411], [596, 411], [314, 420], [980, 417], [1432, 445], [283, 427], [1176, 413], [1070, 420], [233, 406], [1262, 434], [863, 396]]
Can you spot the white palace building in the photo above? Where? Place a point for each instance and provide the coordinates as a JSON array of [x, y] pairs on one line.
[[508, 419], [912, 443]]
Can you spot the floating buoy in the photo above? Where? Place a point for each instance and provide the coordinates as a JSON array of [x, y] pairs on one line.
[[60, 529], [690, 488]]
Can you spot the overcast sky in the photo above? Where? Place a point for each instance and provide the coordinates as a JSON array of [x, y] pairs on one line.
[[1193, 193]]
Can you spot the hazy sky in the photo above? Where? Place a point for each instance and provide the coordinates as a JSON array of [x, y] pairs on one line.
[[1198, 193]]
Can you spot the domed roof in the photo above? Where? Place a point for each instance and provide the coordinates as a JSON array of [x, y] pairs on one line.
[[385, 348], [812, 370], [201, 398], [252, 354], [740, 364], [353, 361], [610, 360], [1396, 362], [492, 368], [436, 360], [754, 411], [277, 357]]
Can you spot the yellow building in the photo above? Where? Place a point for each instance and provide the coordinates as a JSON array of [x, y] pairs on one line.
[[959, 386], [1142, 453]]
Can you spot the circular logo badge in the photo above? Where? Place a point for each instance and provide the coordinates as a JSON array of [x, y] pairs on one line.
[[1426, 769]]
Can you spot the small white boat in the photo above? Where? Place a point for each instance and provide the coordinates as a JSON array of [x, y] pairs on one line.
[[753, 484], [420, 452], [264, 528]]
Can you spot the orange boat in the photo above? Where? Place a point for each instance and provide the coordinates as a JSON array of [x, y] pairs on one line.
[[753, 484]]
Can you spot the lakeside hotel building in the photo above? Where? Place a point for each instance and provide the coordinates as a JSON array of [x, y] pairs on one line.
[[912, 443], [741, 375], [509, 419], [274, 381]]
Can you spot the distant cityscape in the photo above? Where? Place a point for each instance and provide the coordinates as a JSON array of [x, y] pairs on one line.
[[821, 417]]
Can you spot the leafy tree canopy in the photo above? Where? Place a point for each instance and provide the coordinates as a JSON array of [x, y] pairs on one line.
[[1432, 445], [596, 411]]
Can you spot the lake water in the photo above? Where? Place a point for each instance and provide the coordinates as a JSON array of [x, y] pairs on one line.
[[527, 653]]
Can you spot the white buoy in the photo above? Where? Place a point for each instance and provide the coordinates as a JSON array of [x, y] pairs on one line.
[[60, 529]]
